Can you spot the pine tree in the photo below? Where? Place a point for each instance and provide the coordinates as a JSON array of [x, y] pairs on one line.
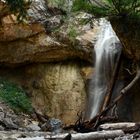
[[102, 8]]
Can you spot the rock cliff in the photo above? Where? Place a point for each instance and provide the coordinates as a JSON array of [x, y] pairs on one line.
[[24, 43], [51, 68], [128, 32]]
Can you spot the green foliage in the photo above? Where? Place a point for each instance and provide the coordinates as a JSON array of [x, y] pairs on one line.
[[87, 6], [60, 4], [57, 3], [19, 7], [122, 8], [82, 5], [15, 97], [72, 33]]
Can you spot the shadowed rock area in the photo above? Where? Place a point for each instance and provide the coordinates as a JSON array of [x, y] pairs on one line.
[[128, 32]]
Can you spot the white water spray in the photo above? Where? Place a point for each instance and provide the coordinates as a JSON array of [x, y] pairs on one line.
[[107, 49]]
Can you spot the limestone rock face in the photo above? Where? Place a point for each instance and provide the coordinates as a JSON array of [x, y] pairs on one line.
[[56, 89], [21, 44], [51, 73], [13, 32], [24, 43]]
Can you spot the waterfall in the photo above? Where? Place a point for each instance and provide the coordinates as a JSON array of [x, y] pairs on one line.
[[107, 49]]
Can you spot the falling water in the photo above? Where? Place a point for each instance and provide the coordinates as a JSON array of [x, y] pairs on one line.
[[107, 49]]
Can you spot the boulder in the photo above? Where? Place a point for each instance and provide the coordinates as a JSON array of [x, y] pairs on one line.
[[128, 32]]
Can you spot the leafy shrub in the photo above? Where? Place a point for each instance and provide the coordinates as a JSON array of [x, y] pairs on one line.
[[15, 97]]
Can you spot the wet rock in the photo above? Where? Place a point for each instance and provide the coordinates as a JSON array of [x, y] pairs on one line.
[[55, 125], [52, 125]]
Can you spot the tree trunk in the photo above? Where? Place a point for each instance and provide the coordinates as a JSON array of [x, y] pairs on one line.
[[88, 136], [114, 126]]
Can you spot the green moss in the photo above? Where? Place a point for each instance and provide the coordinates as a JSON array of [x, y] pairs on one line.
[[15, 97]]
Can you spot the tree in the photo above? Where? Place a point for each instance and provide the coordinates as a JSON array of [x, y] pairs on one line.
[[102, 8]]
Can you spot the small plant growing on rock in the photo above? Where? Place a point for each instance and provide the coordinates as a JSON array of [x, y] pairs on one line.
[[15, 97], [72, 33]]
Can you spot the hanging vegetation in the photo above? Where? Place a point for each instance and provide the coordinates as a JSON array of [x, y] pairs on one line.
[[19, 8]]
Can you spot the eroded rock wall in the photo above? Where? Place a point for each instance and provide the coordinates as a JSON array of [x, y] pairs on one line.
[[56, 89]]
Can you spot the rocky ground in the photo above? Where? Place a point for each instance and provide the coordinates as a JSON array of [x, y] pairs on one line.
[[9, 120], [21, 126]]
